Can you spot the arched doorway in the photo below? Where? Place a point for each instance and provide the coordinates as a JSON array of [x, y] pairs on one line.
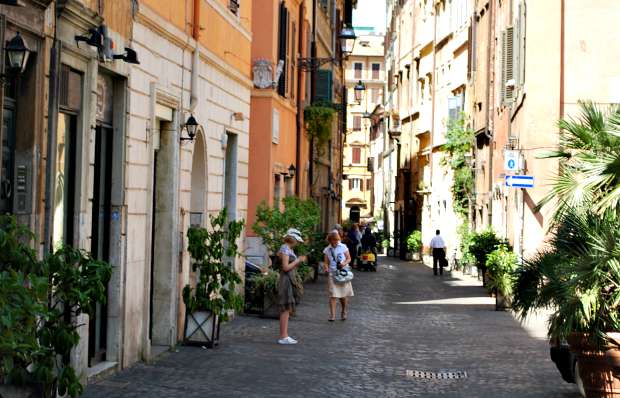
[[354, 214], [198, 201]]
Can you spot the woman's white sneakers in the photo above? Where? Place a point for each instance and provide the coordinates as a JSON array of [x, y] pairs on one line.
[[287, 341]]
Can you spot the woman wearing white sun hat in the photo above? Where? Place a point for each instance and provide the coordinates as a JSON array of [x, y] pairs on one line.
[[288, 285]]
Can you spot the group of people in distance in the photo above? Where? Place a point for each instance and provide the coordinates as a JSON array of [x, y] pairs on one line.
[[338, 257]]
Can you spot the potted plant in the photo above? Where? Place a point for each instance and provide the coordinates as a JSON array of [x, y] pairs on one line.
[[480, 246], [414, 245], [214, 296], [579, 274], [39, 303], [272, 223], [501, 265], [265, 294]]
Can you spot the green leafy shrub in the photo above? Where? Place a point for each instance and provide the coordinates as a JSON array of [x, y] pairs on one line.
[[318, 119], [39, 301], [481, 245], [501, 265], [459, 142], [414, 242], [272, 223], [265, 284], [213, 252]]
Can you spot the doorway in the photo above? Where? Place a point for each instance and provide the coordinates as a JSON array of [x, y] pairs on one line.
[[230, 176], [8, 158], [100, 235], [354, 214], [164, 238]]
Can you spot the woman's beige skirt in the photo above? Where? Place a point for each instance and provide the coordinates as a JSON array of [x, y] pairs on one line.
[[339, 290]]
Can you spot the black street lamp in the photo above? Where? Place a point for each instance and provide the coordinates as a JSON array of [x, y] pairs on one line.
[[346, 37], [347, 41], [291, 171], [359, 89], [191, 125], [17, 54]]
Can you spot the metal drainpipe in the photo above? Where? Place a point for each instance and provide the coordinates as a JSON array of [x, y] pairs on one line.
[[52, 123], [193, 103], [312, 96], [298, 120], [487, 112]]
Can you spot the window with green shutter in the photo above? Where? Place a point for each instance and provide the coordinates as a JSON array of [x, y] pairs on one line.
[[324, 86]]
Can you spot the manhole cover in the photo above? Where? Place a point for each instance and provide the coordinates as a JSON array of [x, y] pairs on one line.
[[441, 375]]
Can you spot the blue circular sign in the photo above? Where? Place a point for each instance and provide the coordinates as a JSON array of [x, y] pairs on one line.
[[511, 164]]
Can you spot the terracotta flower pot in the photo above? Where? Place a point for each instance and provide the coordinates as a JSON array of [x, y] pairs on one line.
[[595, 371], [613, 354]]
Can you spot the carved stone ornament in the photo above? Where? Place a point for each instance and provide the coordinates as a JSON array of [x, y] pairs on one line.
[[263, 74]]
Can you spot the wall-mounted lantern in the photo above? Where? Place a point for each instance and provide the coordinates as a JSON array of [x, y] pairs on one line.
[[191, 126], [17, 53], [346, 37], [130, 56], [291, 171]]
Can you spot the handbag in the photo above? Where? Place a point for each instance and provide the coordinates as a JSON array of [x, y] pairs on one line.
[[341, 275]]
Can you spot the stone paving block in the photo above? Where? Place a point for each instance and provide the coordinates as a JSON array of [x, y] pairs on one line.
[[372, 354]]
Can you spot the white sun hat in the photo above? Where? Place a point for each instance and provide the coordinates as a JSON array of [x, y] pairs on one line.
[[295, 234]]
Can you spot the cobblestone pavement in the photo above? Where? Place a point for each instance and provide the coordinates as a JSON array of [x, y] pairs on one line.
[[402, 320]]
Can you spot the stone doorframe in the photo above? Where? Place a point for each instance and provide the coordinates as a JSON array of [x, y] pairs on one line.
[[164, 107]]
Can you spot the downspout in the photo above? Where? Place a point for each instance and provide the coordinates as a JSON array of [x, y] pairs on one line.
[[562, 54], [487, 131], [52, 124], [312, 97], [298, 120], [193, 102]]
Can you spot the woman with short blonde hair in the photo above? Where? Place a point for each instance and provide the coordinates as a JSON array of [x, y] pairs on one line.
[[336, 258]]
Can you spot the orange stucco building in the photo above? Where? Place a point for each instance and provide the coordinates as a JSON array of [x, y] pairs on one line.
[[278, 141]]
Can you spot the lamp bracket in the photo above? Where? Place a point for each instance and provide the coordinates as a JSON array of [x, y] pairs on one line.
[[311, 64]]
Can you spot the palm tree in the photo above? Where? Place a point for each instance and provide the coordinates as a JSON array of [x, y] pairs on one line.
[[589, 157], [578, 276]]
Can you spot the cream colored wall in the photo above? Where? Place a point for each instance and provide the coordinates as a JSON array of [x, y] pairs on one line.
[[166, 59]]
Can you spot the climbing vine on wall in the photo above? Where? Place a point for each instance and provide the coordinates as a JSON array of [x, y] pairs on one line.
[[459, 141]]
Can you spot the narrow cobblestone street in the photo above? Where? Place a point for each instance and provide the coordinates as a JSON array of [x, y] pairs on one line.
[[402, 320]]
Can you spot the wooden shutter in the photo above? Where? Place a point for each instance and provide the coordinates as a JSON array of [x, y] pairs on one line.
[[282, 48], [357, 123], [356, 155], [507, 64], [369, 184], [293, 58], [350, 184], [324, 86]]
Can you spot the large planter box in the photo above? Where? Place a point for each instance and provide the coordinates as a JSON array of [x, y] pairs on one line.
[[202, 328], [270, 307], [25, 391], [596, 371], [502, 303]]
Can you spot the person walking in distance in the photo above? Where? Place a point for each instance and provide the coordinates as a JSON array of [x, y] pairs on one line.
[[438, 247], [337, 257]]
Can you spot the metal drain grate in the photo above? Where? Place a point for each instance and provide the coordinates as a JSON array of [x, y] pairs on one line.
[[442, 375]]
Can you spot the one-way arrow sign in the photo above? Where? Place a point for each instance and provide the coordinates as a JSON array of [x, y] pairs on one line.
[[520, 181]]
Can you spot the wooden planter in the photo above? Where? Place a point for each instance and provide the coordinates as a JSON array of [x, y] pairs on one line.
[[202, 328], [24, 391], [595, 370]]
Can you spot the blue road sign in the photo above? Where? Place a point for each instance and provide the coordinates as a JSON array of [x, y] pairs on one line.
[[520, 181], [511, 164]]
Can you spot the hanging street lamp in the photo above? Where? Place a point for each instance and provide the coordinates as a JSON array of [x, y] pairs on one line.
[[347, 41], [358, 90]]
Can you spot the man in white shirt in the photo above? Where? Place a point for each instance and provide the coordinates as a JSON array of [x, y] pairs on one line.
[[439, 252]]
